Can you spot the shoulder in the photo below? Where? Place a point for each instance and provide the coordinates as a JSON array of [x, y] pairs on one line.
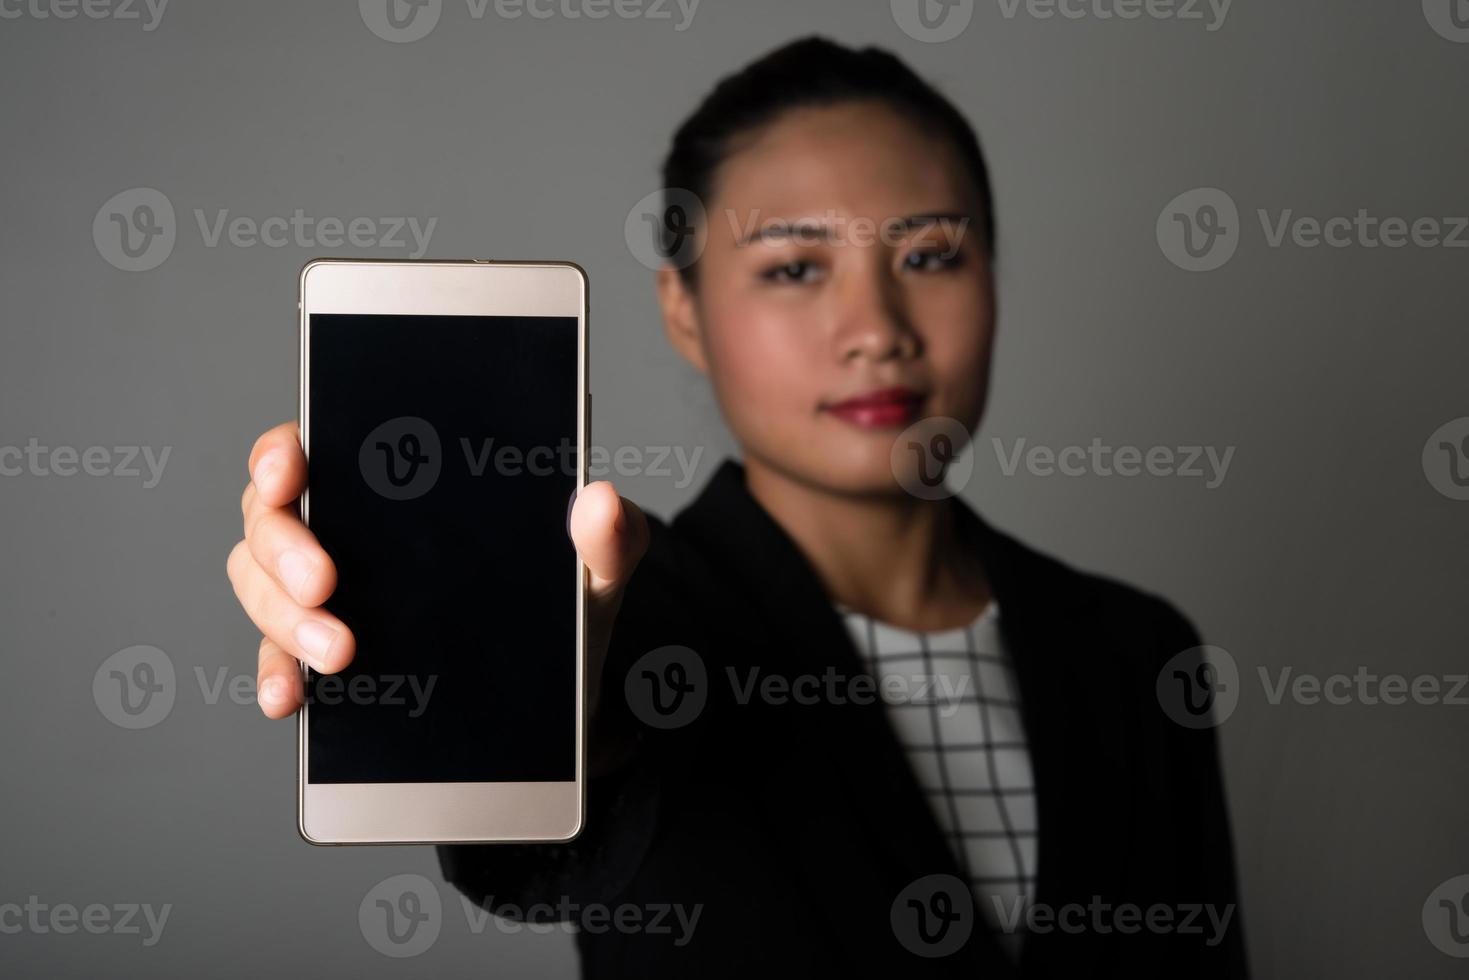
[[1110, 611], [668, 560], [670, 580]]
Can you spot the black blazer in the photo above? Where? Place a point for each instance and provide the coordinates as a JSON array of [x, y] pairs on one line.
[[793, 827]]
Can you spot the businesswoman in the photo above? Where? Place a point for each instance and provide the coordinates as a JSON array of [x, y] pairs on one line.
[[1013, 801]]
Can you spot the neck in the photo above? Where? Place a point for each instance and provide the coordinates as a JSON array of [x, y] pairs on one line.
[[893, 557]]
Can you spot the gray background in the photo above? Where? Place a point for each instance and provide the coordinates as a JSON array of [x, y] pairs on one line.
[[1325, 548]]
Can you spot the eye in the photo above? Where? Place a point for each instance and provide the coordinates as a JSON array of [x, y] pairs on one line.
[[797, 272], [931, 261]]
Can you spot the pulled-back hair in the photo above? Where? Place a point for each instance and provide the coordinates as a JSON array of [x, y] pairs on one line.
[[810, 72]]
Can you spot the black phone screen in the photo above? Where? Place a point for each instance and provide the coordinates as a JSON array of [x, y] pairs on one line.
[[441, 462]]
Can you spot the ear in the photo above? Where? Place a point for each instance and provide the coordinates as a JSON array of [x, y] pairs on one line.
[[681, 317]]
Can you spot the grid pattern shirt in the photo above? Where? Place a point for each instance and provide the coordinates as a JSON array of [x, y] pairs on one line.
[[953, 701]]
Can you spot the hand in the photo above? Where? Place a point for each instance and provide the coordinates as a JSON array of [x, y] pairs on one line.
[[281, 574]]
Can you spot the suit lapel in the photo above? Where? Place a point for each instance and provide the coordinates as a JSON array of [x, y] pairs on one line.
[[1072, 706], [844, 759]]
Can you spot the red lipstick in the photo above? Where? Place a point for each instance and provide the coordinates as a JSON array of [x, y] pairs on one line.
[[884, 408]]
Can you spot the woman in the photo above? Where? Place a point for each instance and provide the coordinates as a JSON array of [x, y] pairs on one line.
[[1024, 807]]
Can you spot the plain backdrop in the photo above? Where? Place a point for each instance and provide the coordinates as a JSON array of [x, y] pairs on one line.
[[1325, 549]]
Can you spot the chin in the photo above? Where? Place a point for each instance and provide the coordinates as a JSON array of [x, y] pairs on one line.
[[865, 472]]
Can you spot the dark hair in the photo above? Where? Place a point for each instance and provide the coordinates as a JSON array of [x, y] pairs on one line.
[[812, 71]]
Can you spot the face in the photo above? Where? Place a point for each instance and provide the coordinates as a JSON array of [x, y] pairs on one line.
[[844, 293]]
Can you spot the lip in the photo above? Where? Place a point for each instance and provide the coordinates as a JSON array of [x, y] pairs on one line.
[[882, 408]]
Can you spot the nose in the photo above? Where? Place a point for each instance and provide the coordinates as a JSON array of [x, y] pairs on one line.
[[870, 315]]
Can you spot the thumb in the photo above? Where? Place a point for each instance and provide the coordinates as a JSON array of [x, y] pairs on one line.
[[610, 534]]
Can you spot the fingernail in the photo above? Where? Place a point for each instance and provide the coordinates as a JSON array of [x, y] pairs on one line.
[[268, 464], [315, 639], [569, 505], [295, 569]]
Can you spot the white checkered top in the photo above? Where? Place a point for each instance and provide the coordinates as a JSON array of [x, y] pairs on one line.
[[953, 701]]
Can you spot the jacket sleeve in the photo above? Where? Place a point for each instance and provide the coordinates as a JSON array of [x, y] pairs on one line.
[[519, 881], [1201, 811]]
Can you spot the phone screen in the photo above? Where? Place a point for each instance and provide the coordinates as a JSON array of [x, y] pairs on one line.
[[441, 462]]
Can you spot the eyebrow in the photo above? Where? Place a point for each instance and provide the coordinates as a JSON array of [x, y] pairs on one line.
[[779, 229]]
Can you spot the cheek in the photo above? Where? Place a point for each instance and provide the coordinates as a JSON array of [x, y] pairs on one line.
[[961, 361], [765, 370], [958, 349]]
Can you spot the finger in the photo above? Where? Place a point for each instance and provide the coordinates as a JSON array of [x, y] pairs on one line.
[[247, 501], [310, 635], [278, 466], [289, 552], [252, 507], [610, 533], [278, 684]]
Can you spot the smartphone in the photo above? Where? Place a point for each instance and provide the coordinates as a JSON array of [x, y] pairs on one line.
[[444, 414]]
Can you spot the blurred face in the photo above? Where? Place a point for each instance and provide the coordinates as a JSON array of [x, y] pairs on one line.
[[844, 294]]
